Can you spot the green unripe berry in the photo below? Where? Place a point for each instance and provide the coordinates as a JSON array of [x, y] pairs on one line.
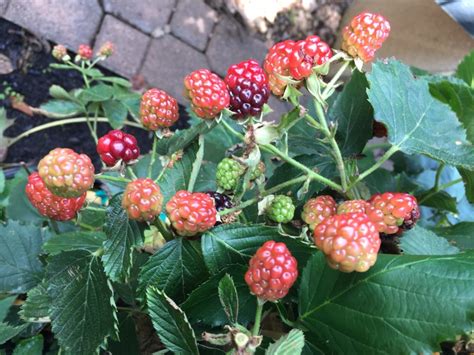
[[228, 174], [281, 209]]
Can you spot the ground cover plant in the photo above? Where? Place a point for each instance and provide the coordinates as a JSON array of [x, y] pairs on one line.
[[239, 235]]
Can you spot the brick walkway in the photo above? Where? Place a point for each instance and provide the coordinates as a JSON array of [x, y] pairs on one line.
[[163, 40]]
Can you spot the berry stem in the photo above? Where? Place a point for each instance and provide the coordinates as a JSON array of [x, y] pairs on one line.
[[332, 141], [153, 155], [264, 193], [54, 226], [440, 188], [438, 176], [163, 229], [377, 165], [84, 76], [326, 93], [258, 317], [271, 149], [62, 123], [112, 178], [131, 173], [197, 164]]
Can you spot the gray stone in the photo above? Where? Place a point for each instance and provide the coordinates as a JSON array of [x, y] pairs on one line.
[[193, 21], [129, 46], [230, 44], [3, 6], [168, 61], [147, 15], [67, 22]]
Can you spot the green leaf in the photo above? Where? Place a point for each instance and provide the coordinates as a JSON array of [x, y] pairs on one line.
[[440, 200], [417, 122], [217, 141], [128, 344], [78, 240], [461, 234], [4, 124], [465, 70], [36, 306], [92, 218], [123, 235], [407, 304], [2, 181], [353, 114], [5, 305], [289, 344], [19, 207], [177, 177], [61, 108], [97, 93], [132, 102], [82, 307], [421, 241], [30, 346], [236, 243], [229, 298], [116, 112], [8, 331], [182, 139], [58, 92], [177, 268], [203, 304], [116, 80], [20, 268], [468, 178], [171, 323]]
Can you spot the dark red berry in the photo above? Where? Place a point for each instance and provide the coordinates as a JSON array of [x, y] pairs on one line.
[[117, 145]]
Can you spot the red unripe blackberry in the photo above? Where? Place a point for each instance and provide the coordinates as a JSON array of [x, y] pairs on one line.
[[272, 271], [315, 210], [352, 206], [50, 205], [350, 241], [207, 92], [158, 110], [117, 145], [85, 52], [142, 199], [364, 35], [379, 130], [66, 173], [191, 213], [390, 210], [248, 88]]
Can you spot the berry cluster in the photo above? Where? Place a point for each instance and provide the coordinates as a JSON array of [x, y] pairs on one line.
[[248, 88], [272, 271], [364, 35], [207, 92], [158, 110], [294, 60], [191, 213], [117, 145]]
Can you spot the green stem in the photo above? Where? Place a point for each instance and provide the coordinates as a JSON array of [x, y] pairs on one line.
[[62, 123], [377, 165], [197, 164], [163, 229], [84, 76], [334, 79], [258, 317], [438, 176], [271, 149], [131, 173], [54, 226], [112, 178], [440, 188], [332, 141], [264, 193], [370, 147], [153, 155]]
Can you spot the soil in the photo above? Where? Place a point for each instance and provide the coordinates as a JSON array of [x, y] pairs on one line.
[[30, 58]]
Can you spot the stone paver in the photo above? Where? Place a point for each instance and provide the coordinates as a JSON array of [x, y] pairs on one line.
[[147, 15], [193, 22], [3, 6], [130, 45], [230, 45], [168, 61], [68, 22]]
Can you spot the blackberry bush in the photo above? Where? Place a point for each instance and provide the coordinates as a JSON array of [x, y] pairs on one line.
[[249, 233]]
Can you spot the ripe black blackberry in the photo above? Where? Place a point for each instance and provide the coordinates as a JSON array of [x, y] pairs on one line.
[[223, 202]]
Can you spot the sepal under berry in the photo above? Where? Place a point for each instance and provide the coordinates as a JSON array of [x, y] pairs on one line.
[[272, 271]]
